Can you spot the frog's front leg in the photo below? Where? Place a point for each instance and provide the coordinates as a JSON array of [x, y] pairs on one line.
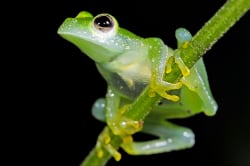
[[162, 59], [171, 137], [117, 123], [159, 53], [104, 139]]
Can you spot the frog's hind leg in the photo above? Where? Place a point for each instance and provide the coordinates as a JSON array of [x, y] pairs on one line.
[[98, 109], [110, 110], [183, 37], [171, 137]]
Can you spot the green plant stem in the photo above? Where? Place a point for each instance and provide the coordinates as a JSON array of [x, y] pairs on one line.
[[211, 32]]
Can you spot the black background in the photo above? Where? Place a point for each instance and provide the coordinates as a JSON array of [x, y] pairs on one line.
[[56, 84]]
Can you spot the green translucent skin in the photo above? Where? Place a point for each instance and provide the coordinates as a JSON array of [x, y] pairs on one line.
[[129, 63]]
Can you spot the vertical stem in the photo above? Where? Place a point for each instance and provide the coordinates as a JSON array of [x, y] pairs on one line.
[[214, 29]]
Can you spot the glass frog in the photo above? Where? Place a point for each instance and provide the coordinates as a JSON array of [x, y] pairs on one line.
[[130, 63]]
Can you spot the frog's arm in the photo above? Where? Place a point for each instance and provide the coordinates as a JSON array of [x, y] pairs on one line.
[[111, 110], [159, 54], [103, 141]]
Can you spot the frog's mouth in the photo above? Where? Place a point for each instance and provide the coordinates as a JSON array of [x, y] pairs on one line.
[[95, 51]]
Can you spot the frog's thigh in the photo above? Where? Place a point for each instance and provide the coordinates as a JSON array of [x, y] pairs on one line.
[[171, 137]]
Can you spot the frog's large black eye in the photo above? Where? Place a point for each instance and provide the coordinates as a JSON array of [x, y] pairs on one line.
[[104, 22]]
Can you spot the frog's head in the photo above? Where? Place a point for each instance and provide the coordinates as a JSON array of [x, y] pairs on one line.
[[98, 37]]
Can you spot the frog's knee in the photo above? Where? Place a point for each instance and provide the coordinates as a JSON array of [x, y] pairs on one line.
[[98, 109], [183, 36]]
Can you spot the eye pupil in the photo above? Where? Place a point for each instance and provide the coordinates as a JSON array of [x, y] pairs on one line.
[[104, 23]]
